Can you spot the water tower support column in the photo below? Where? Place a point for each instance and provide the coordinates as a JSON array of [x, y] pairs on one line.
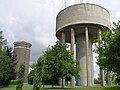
[[101, 70], [81, 58], [72, 49], [88, 65], [91, 61], [62, 40]]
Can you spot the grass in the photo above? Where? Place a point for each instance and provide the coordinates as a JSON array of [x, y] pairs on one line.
[[29, 87]]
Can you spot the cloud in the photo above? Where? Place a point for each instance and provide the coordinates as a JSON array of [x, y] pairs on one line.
[[29, 20]]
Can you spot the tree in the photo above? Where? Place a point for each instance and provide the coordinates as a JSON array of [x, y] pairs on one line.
[[6, 65], [20, 77], [109, 52], [96, 81], [13, 59], [3, 42], [59, 61], [5, 69], [31, 76], [38, 73]]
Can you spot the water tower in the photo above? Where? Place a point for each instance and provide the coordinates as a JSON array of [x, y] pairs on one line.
[[78, 24], [22, 54]]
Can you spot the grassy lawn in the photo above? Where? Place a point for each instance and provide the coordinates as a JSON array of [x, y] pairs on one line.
[[29, 87]]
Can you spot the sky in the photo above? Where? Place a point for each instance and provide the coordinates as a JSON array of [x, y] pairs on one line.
[[34, 21]]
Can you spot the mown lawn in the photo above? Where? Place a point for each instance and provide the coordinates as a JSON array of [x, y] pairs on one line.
[[29, 87]]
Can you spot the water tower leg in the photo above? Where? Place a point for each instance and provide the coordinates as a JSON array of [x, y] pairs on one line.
[[81, 58], [101, 70], [109, 78], [91, 61], [88, 64], [60, 79], [72, 49], [102, 77], [63, 38]]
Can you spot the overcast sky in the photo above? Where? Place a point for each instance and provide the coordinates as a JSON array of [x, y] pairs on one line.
[[34, 21]]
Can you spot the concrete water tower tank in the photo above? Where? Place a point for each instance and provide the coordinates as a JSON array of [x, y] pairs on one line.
[[78, 24], [22, 54]]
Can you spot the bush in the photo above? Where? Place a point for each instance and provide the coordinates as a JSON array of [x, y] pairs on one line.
[[118, 80], [31, 76], [13, 82], [4, 82]]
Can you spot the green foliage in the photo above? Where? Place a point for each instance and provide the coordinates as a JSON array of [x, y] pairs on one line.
[[109, 51], [5, 68], [38, 73], [3, 42], [20, 77], [96, 81], [13, 82], [6, 62], [59, 61], [13, 59], [31, 76]]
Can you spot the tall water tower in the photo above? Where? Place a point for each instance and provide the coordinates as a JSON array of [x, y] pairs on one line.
[[78, 24], [22, 54]]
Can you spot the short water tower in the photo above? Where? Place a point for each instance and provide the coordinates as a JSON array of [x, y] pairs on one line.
[[22, 55]]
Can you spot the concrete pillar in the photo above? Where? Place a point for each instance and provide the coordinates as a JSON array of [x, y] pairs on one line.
[[102, 77], [63, 38], [109, 78], [91, 60], [81, 57], [72, 40], [101, 70], [88, 65], [60, 79], [72, 49]]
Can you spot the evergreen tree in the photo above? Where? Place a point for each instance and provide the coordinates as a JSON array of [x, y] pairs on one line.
[[20, 77], [38, 73], [13, 59], [6, 66]]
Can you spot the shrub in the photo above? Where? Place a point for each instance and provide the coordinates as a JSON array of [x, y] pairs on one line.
[[13, 82]]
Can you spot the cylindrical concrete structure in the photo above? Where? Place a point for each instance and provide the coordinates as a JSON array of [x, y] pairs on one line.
[[101, 70], [85, 19], [81, 58], [72, 50], [109, 78], [22, 54], [62, 40], [91, 61]]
